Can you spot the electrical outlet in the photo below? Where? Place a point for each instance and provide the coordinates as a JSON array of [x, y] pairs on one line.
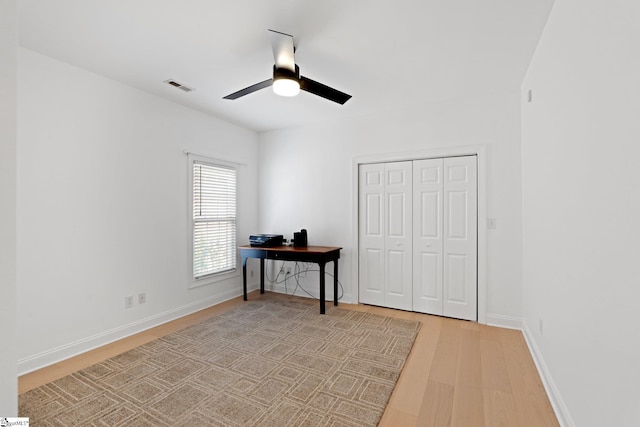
[[541, 326], [251, 273], [142, 298], [128, 302]]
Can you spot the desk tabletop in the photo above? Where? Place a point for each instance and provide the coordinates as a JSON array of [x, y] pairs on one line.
[[308, 249]]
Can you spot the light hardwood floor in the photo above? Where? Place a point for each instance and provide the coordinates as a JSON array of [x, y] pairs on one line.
[[459, 373]]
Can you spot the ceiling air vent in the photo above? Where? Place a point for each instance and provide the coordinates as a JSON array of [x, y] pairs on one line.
[[179, 85]]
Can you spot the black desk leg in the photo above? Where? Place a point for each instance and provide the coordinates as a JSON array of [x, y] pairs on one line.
[[244, 277], [335, 282], [321, 264], [262, 275]]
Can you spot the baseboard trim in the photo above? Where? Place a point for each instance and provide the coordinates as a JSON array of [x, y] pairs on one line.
[[559, 407], [502, 321], [66, 351]]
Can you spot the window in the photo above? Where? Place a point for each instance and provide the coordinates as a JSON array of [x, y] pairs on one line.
[[213, 219]]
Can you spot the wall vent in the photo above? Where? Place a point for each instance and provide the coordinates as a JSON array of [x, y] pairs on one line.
[[179, 85]]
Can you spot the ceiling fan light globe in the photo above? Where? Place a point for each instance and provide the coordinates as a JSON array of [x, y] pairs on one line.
[[286, 87]]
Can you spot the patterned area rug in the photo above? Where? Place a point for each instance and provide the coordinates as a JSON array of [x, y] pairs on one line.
[[269, 362]]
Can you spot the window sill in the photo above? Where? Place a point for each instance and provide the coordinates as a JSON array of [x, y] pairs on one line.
[[214, 278]]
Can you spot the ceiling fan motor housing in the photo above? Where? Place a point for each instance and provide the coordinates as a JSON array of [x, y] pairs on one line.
[[285, 81], [285, 73]]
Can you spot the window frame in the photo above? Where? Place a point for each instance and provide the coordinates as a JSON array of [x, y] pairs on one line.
[[211, 278]]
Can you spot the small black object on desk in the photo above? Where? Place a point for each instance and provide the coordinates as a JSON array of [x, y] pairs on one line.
[[300, 239]]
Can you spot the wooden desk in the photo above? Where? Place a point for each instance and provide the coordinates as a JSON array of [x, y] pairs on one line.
[[317, 254]]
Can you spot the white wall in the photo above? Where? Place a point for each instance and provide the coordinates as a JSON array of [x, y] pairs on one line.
[[8, 125], [102, 208], [306, 181], [581, 231]]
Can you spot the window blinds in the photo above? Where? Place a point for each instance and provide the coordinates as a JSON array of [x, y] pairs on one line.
[[214, 219]]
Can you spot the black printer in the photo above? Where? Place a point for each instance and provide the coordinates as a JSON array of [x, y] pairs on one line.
[[266, 240]]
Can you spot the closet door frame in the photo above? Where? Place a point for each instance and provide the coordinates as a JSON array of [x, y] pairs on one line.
[[471, 150]]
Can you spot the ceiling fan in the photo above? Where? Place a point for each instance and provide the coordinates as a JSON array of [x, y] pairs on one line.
[[287, 80]]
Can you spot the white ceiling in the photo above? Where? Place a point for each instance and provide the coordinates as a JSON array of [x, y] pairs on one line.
[[387, 54]]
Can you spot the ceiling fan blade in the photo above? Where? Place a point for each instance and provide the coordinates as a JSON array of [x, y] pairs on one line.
[[324, 91], [250, 89], [283, 50]]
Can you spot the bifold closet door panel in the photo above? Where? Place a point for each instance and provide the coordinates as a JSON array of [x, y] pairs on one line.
[[460, 243], [371, 235], [398, 235], [428, 190], [385, 235]]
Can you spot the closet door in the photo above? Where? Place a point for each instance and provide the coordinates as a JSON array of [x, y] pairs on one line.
[[398, 235], [460, 247], [428, 190], [418, 236], [371, 219], [385, 235]]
